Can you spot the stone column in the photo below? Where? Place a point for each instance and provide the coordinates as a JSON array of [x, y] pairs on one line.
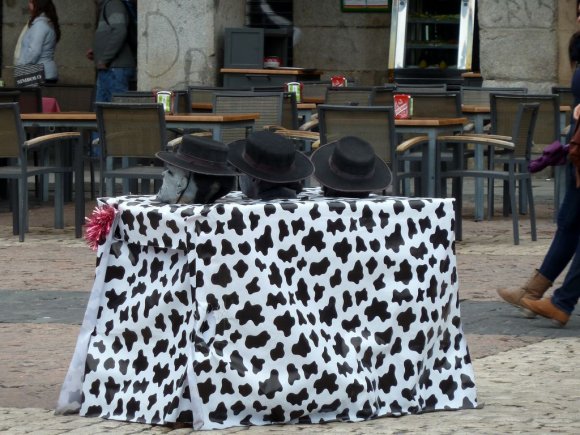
[[181, 41], [519, 43]]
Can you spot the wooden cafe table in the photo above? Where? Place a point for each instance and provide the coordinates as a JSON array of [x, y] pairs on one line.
[[431, 127], [209, 121]]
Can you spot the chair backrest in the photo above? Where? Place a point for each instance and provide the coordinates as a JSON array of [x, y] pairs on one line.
[[267, 104], [30, 99], [131, 129], [315, 89], [349, 96], [181, 101], [504, 108], [71, 98], [134, 97], [9, 96], [289, 111], [204, 94], [408, 88], [382, 95], [11, 131], [436, 105], [375, 124], [566, 95], [479, 96], [523, 129]]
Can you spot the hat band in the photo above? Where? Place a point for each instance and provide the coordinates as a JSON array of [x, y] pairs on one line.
[[200, 161], [349, 175], [265, 167]]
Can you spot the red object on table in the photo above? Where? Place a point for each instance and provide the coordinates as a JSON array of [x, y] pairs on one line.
[[50, 105]]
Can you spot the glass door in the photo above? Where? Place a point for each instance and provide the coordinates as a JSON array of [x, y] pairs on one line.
[[432, 37]]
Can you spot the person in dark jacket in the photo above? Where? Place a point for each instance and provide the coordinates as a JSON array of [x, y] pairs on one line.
[[111, 52]]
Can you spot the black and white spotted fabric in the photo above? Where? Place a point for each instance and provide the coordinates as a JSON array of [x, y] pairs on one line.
[[251, 313]]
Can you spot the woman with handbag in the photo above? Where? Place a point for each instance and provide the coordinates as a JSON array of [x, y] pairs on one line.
[[40, 38]]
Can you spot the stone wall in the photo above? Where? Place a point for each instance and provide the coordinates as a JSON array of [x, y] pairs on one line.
[[181, 41], [336, 42], [521, 43]]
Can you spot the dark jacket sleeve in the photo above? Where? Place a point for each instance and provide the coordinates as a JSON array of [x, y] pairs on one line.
[[111, 32]]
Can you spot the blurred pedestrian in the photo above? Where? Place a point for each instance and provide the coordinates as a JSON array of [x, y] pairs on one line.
[[39, 39], [113, 57]]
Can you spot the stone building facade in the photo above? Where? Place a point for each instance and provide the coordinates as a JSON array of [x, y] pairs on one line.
[[522, 42]]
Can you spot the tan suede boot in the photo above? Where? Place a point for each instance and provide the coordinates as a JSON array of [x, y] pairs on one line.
[[533, 290], [545, 307]]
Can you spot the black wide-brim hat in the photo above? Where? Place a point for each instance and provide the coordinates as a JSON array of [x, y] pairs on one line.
[[199, 154], [270, 157], [350, 165]]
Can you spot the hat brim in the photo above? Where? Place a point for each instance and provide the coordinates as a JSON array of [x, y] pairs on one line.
[[380, 180], [174, 159], [301, 170]]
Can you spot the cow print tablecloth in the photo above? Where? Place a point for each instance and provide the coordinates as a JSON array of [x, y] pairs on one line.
[[251, 313]]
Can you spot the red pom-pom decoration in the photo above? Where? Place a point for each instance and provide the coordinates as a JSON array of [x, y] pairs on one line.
[[99, 225]]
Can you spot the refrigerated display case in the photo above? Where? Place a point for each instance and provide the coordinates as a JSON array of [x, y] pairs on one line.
[[431, 40]]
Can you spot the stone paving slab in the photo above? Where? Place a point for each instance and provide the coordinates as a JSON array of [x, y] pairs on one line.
[[521, 392], [523, 367]]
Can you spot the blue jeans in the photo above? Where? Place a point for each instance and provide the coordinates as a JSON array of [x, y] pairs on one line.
[[112, 81], [565, 245]]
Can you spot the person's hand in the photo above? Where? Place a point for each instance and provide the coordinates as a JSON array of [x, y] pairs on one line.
[[102, 66], [90, 54], [576, 113]]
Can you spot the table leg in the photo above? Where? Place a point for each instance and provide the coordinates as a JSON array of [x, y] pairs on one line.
[[217, 132], [478, 162], [428, 186], [79, 187]]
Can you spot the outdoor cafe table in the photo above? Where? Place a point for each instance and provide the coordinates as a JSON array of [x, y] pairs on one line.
[[88, 120], [291, 311], [209, 121], [432, 127]]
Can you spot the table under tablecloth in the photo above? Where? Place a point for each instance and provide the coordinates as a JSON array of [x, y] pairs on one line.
[[245, 312]]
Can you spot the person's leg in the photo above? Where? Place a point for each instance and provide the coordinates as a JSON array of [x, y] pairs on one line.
[[120, 78], [565, 241], [562, 248]]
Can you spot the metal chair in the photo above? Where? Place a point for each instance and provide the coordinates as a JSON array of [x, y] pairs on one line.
[[504, 108], [382, 95], [349, 96], [410, 154], [14, 165], [267, 104], [516, 151], [409, 88], [130, 135], [71, 98], [375, 124], [201, 95], [134, 97], [30, 99], [315, 90], [289, 106]]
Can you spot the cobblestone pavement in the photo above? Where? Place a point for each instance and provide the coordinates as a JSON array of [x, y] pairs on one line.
[[524, 367]]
